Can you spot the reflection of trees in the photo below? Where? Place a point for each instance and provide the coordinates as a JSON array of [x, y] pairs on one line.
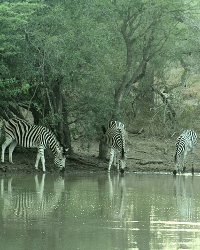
[[184, 197], [27, 205]]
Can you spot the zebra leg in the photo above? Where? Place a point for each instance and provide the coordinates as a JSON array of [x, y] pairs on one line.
[[193, 160], [112, 155], [123, 165], [177, 164], [4, 146], [11, 149], [115, 158], [183, 163], [37, 160], [40, 155], [116, 161], [118, 165], [43, 163]]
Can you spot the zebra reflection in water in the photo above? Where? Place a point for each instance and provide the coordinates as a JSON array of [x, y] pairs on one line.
[[117, 185], [27, 205], [112, 193], [183, 192]]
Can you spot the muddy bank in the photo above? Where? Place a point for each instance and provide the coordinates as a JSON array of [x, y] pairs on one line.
[[145, 154]]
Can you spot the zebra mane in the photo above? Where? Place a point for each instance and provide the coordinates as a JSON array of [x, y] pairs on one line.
[[64, 149], [103, 129]]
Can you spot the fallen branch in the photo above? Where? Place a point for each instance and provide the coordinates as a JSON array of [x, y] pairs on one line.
[[81, 161], [133, 158], [136, 132], [145, 162]]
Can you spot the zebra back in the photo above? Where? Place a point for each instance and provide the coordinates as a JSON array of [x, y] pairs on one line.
[[186, 141], [115, 136], [29, 136], [190, 135]]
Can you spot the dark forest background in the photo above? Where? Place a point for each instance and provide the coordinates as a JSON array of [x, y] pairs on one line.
[[76, 64]]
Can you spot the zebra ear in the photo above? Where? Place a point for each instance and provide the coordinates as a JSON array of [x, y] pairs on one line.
[[62, 150], [65, 151], [59, 150], [111, 123]]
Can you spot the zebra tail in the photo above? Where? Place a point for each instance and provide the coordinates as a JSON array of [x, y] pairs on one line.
[[123, 153], [175, 158]]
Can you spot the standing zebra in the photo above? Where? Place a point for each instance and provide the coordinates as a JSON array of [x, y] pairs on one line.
[[21, 132], [115, 138], [184, 143]]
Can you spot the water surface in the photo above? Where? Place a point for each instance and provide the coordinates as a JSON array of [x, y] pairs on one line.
[[99, 211]]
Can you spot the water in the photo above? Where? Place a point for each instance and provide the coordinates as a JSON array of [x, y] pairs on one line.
[[99, 211]]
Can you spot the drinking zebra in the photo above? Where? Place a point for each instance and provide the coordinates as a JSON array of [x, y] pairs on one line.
[[115, 138], [184, 143], [21, 132]]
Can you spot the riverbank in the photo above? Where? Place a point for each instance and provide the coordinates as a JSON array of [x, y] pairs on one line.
[[144, 155]]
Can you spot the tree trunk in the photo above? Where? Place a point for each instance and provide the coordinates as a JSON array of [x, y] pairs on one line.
[[66, 130], [103, 150], [63, 130], [67, 137]]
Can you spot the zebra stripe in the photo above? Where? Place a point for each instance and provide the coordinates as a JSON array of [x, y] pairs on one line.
[[184, 143], [30, 205], [115, 138], [21, 132]]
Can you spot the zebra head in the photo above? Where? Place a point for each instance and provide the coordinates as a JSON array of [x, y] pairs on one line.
[[60, 156], [116, 124]]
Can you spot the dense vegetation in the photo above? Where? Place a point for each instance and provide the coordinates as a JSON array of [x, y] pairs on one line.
[[76, 64]]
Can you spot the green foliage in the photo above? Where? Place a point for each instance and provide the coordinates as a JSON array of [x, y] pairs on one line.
[[79, 45]]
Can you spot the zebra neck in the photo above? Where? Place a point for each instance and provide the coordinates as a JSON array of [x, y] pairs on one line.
[[54, 145]]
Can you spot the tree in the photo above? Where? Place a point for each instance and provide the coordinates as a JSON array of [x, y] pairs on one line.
[[77, 64], [56, 65], [14, 17]]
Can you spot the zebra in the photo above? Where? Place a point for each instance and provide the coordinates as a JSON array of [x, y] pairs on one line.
[[115, 138], [18, 131], [184, 143]]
